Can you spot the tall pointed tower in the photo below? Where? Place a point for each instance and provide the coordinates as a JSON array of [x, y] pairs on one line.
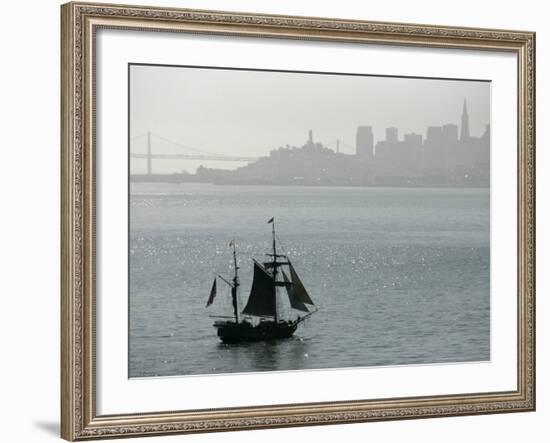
[[465, 126]]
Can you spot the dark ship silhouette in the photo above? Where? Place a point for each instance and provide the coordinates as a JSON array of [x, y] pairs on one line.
[[260, 318]]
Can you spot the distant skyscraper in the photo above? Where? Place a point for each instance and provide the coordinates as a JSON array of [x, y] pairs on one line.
[[487, 133], [364, 142], [450, 134], [435, 157], [465, 126], [391, 135], [434, 135], [413, 140]]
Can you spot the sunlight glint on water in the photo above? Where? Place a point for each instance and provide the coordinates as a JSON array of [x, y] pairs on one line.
[[400, 276]]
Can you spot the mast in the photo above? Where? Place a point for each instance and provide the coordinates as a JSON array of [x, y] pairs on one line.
[[262, 301], [234, 287], [274, 268]]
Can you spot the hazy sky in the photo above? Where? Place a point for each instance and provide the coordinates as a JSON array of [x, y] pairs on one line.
[[249, 113]]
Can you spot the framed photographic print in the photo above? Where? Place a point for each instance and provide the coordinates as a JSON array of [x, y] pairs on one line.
[[281, 221]]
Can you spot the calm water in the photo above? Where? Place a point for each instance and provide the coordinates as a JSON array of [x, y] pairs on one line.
[[400, 276]]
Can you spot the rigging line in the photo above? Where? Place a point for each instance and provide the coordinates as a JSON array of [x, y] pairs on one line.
[[281, 245], [224, 280]]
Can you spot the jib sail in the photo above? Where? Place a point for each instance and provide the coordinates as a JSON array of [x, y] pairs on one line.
[[295, 301], [298, 288]]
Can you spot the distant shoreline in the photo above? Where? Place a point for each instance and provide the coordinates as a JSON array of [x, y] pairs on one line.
[[177, 179]]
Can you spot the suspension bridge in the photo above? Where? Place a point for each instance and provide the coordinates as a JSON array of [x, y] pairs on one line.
[[191, 153], [188, 152]]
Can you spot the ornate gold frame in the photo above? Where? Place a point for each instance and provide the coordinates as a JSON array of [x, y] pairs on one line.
[[79, 22]]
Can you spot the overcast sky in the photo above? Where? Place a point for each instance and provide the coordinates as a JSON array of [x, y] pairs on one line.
[[249, 113]]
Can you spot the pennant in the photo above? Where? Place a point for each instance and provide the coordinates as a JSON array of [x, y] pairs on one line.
[[231, 243], [271, 220], [212, 294]]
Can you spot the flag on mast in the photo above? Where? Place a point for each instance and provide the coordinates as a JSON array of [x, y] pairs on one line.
[[212, 294], [231, 243], [271, 220]]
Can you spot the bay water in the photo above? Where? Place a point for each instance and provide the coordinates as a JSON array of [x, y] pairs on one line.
[[399, 275]]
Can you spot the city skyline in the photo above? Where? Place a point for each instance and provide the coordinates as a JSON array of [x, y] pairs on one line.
[[234, 122], [446, 154], [449, 155]]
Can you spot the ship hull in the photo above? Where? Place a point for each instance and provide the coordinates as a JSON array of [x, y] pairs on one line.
[[231, 332]]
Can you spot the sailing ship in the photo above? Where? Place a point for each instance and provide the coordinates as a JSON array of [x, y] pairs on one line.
[[260, 318]]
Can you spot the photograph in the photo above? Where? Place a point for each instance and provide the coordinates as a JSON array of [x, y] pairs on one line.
[[294, 220]]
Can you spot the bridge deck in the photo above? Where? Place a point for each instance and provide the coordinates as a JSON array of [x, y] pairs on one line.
[[195, 157]]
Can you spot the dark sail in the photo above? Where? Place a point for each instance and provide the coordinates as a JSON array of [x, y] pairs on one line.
[[262, 295], [298, 288], [292, 296], [212, 294]]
